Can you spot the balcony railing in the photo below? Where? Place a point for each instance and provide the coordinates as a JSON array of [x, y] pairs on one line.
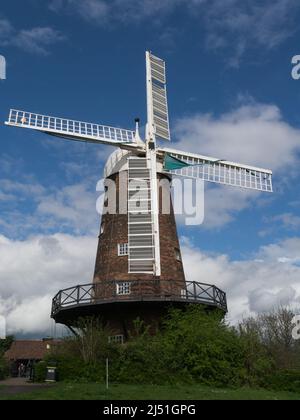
[[106, 292]]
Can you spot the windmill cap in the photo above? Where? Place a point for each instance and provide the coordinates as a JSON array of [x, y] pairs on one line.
[[118, 162]]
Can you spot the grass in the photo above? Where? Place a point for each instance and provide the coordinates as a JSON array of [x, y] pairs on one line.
[[93, 391]]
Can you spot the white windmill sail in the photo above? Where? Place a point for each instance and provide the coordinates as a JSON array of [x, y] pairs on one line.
[[191, 165], [157, 104], [71, 129]]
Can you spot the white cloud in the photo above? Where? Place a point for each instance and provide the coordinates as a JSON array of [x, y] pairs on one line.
[[90, 10], [5, 29], [253, 134], [231, 26], [36, 40], [252, 286], [73, 205], [8, 164], [234, 27], [261, 300], [6, 197], [289, 220], [103, 11], [32, 208], [29, 316], [33, 271], [222, 205], [33, 189], [289, 248]]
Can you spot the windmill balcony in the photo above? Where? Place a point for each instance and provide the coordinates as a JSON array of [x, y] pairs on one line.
[[82, 300]]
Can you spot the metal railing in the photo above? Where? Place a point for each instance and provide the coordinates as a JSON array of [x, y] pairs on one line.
[[107, 292], [69, 127]]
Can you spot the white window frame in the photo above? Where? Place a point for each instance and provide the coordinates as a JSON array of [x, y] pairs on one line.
[[116, 339], [123, 250], [124, 288]]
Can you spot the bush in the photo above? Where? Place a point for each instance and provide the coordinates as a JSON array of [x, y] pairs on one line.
[[286, 380], [200, 346], [194, 346], [4, 369], [83, 357], [74, 369], [258, 363], [40, 370], [5, 344], [142, 361]]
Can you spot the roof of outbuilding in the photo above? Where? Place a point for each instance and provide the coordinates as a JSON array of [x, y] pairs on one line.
[[29, 349]]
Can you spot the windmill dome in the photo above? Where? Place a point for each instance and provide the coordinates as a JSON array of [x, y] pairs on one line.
[[118, 162]]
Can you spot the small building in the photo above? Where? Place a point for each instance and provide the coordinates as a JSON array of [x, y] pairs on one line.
[[23, 354]]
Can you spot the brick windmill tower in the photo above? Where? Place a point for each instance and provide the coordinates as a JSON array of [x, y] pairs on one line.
[[138, 270]]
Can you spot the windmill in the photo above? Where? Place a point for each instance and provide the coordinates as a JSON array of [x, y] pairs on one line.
[[139, 270]]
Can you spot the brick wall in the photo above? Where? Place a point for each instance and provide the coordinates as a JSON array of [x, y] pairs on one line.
[[109, 266]]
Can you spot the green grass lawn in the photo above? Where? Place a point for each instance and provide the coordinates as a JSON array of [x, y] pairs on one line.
[[92, 391]]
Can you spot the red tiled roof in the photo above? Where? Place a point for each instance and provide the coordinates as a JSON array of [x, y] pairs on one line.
[[29, 349]]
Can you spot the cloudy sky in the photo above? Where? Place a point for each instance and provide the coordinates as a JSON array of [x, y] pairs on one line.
[[231, 95]]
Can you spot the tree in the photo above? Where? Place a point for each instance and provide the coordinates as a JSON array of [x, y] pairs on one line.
[[5, 344], [273, 331]]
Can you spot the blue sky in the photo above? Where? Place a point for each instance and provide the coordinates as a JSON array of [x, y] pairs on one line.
[[231, 95]]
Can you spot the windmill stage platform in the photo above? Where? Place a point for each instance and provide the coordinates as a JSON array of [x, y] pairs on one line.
[[98, 299]]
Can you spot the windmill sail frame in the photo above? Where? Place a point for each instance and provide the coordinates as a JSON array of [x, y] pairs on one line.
[[71, 129], [218, 171], [157, 101]]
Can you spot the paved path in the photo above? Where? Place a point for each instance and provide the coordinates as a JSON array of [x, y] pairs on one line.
[[13, 386]]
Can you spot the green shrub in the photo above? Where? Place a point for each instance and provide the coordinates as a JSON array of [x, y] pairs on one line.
[[194, 346], [5, 344], [4, 369], [285, 380], [202, 346], [40, 370], [74, 369], [83, 357]]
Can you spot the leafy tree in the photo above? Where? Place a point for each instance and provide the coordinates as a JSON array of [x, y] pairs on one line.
[[5, 344], [273, 333]]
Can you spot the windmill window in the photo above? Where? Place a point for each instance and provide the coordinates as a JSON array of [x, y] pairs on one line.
[[123, 288], [178, 254], [102, 229], [106, 196], [116, 339], [122, 250]]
